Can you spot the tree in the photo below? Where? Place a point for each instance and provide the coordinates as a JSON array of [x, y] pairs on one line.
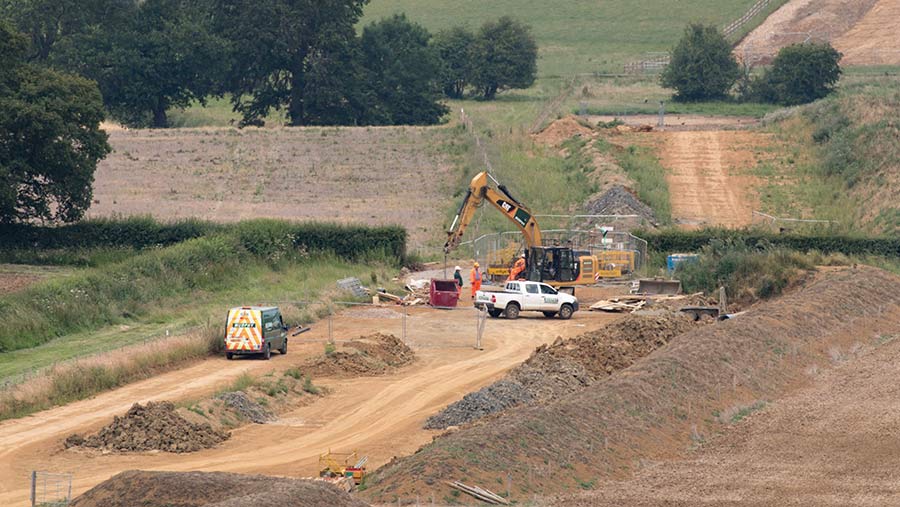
[[402, 72], [278, 45], [50, 137], [454, 48], [801, 73], [163, 56], [504, 56], [702, 66]]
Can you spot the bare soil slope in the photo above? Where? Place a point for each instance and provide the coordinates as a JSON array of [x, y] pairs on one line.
[[864, 30], [833, 443], [367, 175], [198, 489], [656, 408], [706, 184]]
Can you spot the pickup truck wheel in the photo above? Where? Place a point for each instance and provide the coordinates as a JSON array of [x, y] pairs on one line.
[[549, 315], [495, 313], [283, 348], [512, 311], [267, 353], [229, 356], [566, 311]]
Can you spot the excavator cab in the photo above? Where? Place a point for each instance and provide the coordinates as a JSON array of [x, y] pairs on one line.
[[551, 264]]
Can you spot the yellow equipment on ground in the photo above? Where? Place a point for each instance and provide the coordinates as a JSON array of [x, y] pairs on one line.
[[337, 464]]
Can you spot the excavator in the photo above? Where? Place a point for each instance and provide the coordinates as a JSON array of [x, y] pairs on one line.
[[559, 266]]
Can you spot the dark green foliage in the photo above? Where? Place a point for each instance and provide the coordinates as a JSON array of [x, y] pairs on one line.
[[454, 48], [260, 237], [702, 66], [50, 138], [674, 241], [402, 71], [800, 73], [279, 46], [747, 272], [162, 56], [504, 56]]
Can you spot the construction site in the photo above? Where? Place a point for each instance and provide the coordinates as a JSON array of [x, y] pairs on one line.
[[570, 296]]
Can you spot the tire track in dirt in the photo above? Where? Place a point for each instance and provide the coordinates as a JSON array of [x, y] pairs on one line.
[[875, 39], [380, 416], [705, 187]]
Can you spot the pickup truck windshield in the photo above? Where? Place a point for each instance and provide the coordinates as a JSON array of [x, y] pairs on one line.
[[546, 289]]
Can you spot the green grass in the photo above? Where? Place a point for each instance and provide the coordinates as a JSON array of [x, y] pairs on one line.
[[642, 166], [702, 108], [217, 112], [576, 36]]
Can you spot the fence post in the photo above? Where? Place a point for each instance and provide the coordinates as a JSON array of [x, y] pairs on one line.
[[331, 325], [405, 310], [33, 487]]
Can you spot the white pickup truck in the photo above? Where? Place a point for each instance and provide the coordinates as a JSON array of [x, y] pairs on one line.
[[519, 297]]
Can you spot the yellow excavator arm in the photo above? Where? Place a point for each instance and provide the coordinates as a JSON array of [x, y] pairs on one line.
[[481, 191]]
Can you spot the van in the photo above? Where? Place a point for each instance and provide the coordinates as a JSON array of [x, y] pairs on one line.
[[255, 330]]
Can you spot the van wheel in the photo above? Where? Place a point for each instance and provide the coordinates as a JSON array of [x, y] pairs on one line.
[[495, 313], [566, 311], [267, 354], [229, 356], [283, 348], [512, 311], [549, 315]]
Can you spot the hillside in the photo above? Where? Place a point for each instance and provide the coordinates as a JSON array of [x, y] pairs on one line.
[[577, 36]]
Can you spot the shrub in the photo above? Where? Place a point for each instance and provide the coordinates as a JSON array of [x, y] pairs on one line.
[[800, 73], [702, 66]]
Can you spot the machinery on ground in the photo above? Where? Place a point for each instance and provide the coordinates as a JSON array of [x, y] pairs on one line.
[[559, 266], [348, 465]]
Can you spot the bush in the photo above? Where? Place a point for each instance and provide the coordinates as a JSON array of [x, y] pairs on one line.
[[702, 66], [504, 56], [800, 73]]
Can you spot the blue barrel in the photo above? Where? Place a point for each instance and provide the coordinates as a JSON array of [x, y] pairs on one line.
[[674, 260]]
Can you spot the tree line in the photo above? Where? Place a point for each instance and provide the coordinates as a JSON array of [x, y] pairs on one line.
[[302, 59]]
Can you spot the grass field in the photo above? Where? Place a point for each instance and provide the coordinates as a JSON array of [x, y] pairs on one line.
[[578, 36]]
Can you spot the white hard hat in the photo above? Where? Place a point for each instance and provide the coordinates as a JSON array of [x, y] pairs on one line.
[[457, 268], [523, 256]]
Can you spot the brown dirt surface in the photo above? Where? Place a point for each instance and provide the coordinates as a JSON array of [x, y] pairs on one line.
[[375, 354], [864, 30], [151, 427], [347, 174], [380, 416], [675, 122], [562, 130], [568, 365], [16, 277], [834, 442], [663, 404], [216, 489], [706, 173]]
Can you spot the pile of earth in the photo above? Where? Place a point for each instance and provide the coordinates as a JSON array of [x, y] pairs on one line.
[[216, 489], [247, 408], [619, 200], [367, 355], [562, 130], [568, 365], [151, 427]]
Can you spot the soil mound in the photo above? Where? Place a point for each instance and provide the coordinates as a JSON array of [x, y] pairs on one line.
[[367, 355], [249, 409], [151, 427], [217, 489], [567, 366], [662, 404], [562, 130], [619, 200]]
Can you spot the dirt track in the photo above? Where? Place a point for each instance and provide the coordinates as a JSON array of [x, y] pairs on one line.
[[705, 184], [875, 39], [380, 416]]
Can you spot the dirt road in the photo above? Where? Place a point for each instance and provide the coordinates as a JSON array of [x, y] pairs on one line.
[[706, 186], [833, 443], [379, 416]]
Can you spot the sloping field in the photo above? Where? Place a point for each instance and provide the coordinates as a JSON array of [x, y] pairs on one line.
[[663, 404], [864, 30], [373, 176], [833, 443]]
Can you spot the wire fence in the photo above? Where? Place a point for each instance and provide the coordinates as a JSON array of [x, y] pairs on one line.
[[50, 489]]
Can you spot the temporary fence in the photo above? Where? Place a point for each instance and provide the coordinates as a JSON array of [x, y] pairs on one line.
[[50, 489], [780, 224]]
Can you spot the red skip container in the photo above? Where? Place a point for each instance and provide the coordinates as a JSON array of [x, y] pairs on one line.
[[444, 293]]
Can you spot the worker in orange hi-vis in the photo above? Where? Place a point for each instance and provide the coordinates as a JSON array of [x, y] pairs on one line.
[[518, 268], [475, 280]]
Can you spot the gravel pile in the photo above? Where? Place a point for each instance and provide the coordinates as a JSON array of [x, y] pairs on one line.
[[249, 409], [619, 200], [498, 396], [151, 427]]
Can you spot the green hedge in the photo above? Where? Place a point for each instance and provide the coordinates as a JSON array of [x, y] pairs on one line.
[[257, 236], [672, 241]]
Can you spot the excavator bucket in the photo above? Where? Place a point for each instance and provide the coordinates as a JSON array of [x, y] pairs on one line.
[[659, 286]]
